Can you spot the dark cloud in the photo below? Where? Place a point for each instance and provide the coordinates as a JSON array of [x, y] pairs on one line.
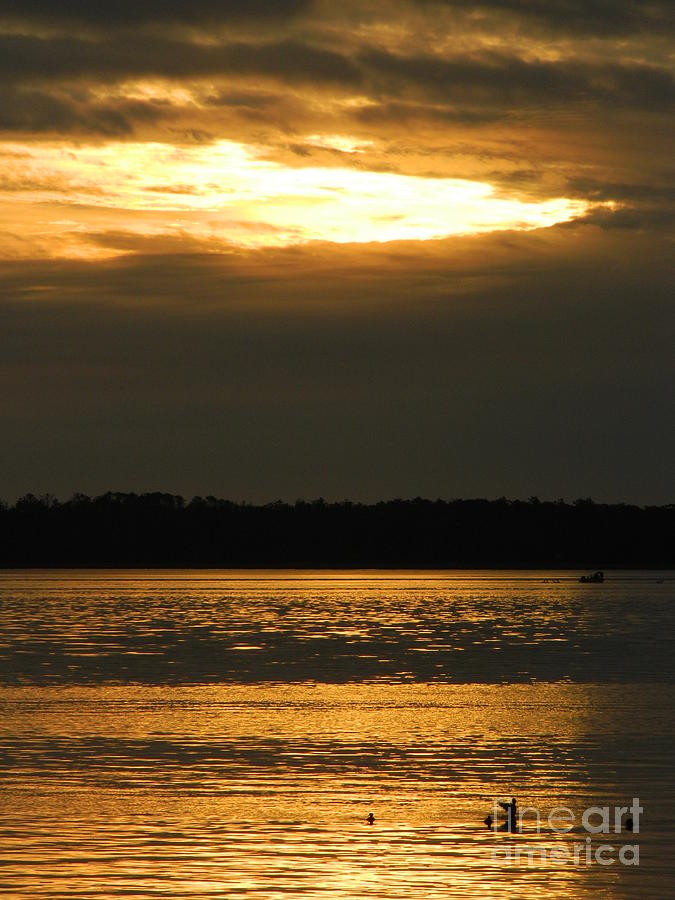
[[246, 99], [397, 111], [631, 218], [499, 79], [24, 57], [596, 17], [644, 207], [495, 78], [366, 372], [630, 192], [245, 74], [149, 12], [36, 111]]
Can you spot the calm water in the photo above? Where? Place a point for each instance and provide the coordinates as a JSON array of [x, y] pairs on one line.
[[225, 734]]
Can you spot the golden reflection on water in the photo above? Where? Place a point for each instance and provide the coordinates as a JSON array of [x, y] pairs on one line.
[[259, 786], [222, 790], [182, 627]]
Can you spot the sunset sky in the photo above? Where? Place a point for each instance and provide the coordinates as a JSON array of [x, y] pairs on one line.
[[269, 249]]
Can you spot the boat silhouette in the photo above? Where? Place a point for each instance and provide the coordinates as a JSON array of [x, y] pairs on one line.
[[595, 578]]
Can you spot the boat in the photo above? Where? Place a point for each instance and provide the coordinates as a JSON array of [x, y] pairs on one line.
[[595, 578]]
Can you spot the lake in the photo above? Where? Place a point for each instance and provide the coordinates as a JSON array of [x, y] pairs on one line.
[[225, 734]]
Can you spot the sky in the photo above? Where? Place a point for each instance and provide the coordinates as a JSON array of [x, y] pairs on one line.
[[280, 249]]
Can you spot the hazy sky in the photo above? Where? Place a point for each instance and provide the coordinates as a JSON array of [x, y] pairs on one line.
[[267, 249]]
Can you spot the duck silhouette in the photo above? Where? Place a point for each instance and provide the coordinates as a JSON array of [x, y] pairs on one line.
[[370, 819]]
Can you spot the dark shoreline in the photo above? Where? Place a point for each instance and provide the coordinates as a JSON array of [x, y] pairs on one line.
[[159, 530]]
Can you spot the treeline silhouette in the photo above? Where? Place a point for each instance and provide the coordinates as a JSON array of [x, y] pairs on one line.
[[156, 529]]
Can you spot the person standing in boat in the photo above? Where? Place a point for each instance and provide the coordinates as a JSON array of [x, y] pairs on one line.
[[511, 814]]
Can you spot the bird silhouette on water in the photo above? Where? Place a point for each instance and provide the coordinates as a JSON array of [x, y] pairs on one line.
[[511, 811], [370, 819]]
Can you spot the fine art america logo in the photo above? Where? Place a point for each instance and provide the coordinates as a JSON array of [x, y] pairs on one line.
[[595, 820]]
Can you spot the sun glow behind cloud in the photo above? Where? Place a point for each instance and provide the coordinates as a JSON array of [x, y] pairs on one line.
[[228, 192]]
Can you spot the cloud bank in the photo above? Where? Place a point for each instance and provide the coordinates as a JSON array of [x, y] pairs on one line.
[[171, 323]]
